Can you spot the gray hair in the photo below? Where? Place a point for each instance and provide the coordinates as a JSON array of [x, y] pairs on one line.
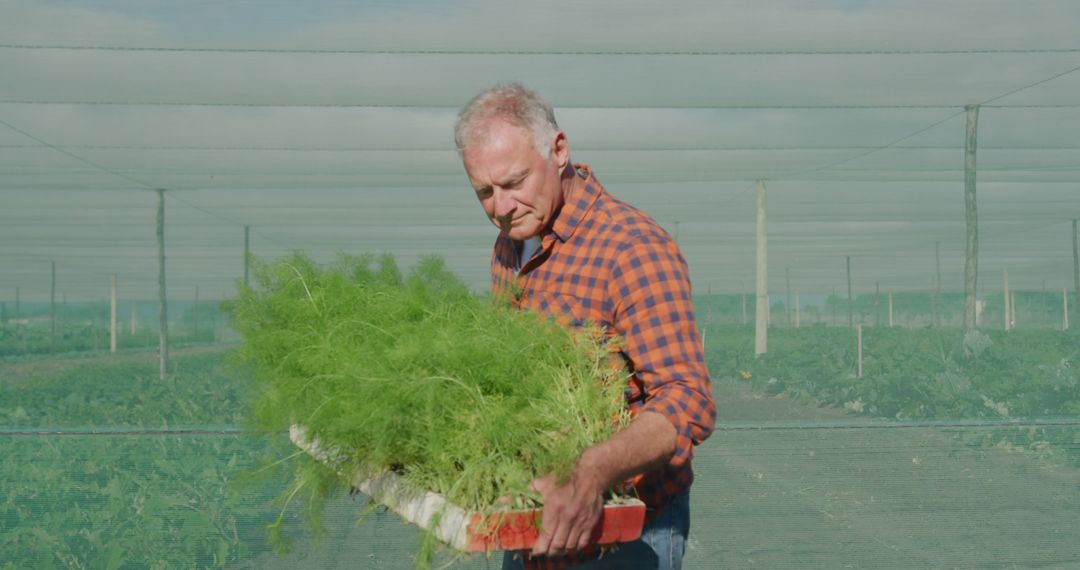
[[514, 104]]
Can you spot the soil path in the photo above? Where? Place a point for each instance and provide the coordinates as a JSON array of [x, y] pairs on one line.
[[812, 492]]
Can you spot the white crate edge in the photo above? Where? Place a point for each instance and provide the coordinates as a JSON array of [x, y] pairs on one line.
[[417, 507]]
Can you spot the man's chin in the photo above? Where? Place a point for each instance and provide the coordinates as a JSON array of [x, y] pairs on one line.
[[521, 233]]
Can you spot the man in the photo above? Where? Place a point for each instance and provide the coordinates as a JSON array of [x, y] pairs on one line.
[[568, 248]]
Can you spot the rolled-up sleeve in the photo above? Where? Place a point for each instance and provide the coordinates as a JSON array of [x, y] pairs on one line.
[[654, 315]]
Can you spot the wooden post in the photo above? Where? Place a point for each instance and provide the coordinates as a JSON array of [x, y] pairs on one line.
[[890, 310], [52, 311], [762, 307], [850, 301], [134, 322], [971, 253], [1076, 272], [163, 324], [858, 329], [798, 318], [112, 318], [787, 302], [247, 252], [1005, 297]]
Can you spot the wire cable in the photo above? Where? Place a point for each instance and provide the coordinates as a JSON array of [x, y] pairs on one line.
[[75, 156], [523, 52], [455, 107], [946, 119]]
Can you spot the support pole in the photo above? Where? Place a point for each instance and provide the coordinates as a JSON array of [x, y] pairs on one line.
[[1065, 309], [1005, 297], [798, 319], [858, 333], [112, 318], [850, 301], [134, 322], [834, 303], [1012, 310], [762, 308], [247, 253], [221, 316], [52, 311], [1076, 272], [877, 304], [971, 253], [196, 324], [787, 302], [937, 285], [744, 307], [18, 315], [163, 326], [890, 310]]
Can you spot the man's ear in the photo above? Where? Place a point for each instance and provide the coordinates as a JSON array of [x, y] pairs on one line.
[[560, 150]]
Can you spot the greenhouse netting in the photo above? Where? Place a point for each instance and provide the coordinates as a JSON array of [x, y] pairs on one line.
[[877, 202]]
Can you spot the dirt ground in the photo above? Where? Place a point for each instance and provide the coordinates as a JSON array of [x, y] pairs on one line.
[[813, 495], [784, 485]]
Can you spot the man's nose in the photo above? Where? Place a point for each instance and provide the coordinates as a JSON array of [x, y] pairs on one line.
[[504, 205]]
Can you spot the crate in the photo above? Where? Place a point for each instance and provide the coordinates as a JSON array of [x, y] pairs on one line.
[[470, 531]]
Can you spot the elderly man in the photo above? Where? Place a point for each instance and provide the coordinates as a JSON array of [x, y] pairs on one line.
[[568, 248]]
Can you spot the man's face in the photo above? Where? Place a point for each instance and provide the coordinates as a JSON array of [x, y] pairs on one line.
[[519, 189]]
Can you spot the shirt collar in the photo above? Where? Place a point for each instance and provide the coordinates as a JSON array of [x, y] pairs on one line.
[[582, 196]]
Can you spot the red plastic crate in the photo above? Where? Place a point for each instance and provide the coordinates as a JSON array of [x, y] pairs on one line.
[[473, 531], [518, 530]]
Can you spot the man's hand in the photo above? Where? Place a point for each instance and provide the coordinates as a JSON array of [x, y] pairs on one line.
[[571, 512]]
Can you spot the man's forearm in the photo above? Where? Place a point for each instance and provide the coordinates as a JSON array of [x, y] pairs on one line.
[[646, 444]]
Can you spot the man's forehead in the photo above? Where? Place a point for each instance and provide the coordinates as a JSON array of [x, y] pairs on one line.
[[504, 151]]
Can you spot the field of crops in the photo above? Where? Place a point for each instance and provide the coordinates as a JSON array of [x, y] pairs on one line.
[[105, 466]]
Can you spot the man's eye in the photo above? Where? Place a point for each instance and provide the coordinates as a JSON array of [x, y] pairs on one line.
[[483, 193]]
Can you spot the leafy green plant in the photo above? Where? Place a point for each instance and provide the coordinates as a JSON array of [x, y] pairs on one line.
[[461, 395], [142, 496], [919, 374]]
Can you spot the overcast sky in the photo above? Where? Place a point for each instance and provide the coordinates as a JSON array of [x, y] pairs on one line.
[[326, 126]]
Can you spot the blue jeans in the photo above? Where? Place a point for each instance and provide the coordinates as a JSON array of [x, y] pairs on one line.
[[661, 546]]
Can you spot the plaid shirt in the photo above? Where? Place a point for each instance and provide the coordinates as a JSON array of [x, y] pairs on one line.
[[609, 263]]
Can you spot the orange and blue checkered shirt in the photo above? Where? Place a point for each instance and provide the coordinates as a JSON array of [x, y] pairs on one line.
[[606, 262]]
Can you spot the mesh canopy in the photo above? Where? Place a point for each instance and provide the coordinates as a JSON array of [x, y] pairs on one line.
[[874, 431]]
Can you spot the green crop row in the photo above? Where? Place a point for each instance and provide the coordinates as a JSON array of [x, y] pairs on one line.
[[106, 466], [931, 374]]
